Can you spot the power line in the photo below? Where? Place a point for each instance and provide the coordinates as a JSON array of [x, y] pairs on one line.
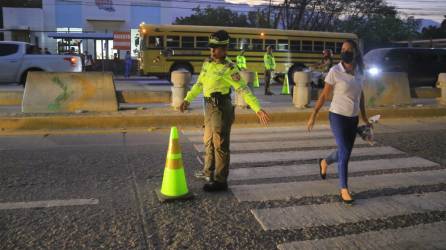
[[158, 4]]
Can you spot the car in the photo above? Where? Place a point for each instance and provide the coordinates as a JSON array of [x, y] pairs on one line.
[[422, 65], [19, 58]]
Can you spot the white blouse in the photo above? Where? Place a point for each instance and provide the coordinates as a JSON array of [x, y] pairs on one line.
[[347, 90]]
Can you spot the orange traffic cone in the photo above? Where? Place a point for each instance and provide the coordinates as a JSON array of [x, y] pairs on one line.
[[174, 186]]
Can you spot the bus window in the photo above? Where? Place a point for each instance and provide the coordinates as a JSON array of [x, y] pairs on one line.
[[257, 44], [155, 42], [187, 42], [173, 41], [295, 46], [338, 47], [233, 43], [307, 46], [318, 46], [330, 46], [282, 45], [243, 43], [202, 42], [270, 43]]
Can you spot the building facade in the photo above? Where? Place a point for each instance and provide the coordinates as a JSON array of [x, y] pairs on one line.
[[79, 25]]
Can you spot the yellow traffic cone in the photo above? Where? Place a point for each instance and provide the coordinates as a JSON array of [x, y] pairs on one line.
[[286, 86], [174, 186], [256, 83]]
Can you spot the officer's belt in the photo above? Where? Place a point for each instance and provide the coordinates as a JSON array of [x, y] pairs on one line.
[[217, 96]]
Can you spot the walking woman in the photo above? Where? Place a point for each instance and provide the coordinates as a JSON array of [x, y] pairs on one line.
[[345, 80]]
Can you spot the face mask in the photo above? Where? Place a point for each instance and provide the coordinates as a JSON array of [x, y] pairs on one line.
[[347, 57]]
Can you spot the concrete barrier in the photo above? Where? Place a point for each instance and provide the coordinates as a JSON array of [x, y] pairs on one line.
[[441, 83], [426, 92], [180, 80], [302, 90], [389, 88], [47, 92]]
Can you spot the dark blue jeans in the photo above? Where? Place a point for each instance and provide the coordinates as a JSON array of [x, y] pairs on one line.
[[344, 129]]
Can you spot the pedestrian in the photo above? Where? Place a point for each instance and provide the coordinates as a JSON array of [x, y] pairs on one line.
[[115, 63], [270, 66], [46, 51], [345, 80], [322, 68], [217, 76], [127, 64], [241, 60], [88, 61]]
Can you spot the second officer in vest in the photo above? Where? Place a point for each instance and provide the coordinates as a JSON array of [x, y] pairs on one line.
[[216, 78]]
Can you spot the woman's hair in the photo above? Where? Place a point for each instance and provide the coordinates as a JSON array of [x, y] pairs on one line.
[[358, 56]]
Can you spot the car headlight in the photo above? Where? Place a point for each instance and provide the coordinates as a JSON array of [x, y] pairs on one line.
[[374, 71]]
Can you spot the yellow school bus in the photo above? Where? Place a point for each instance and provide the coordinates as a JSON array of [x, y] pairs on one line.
[[164, 48]]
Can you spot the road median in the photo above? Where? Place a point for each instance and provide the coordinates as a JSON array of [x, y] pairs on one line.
[[166, 117]]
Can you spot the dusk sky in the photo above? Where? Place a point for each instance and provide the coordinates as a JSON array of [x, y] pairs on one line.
[[426, 9]]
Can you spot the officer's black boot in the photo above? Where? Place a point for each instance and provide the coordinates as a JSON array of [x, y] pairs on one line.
[[214, 186]]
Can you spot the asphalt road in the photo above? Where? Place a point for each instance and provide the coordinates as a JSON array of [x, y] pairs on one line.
[[96, 190]]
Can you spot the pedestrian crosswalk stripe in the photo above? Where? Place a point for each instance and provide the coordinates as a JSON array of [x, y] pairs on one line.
[[423, 236], [261, 130], [307, 155], [271, 136], [336, 213], [242, 146], [313, 169], [282, 191]]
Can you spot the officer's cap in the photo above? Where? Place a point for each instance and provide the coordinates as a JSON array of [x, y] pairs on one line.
[[219, 39]]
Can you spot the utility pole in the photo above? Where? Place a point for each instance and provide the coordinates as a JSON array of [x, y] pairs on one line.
[[269, 13]]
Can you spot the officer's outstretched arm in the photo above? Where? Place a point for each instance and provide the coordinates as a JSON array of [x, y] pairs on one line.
[[192, 94], [264, 117], [242, 89]]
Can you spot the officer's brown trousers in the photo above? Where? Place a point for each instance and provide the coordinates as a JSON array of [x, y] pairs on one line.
[[218, 122]]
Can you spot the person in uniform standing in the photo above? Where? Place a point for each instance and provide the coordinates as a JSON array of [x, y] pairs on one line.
[[241, 61], [270, 66], [217, 76]]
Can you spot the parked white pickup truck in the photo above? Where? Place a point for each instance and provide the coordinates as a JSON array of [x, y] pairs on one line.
[[18, 58]]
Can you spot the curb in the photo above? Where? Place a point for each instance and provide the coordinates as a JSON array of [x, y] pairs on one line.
[[193, 119], [11, 98]]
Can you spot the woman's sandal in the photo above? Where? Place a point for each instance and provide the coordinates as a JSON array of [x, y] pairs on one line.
[[323, 176], [348, 202]]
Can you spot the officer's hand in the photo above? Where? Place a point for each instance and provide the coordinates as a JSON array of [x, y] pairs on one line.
[[263, 117], [184, 106]]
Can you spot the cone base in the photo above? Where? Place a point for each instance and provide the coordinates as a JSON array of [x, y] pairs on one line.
[[164, 198]]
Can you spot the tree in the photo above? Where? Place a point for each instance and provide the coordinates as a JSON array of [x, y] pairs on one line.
[[433, 32], [221, 16], [214, 17], [373, 20]]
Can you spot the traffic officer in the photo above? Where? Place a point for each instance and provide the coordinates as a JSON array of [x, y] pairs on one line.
[[241, 60], [270, 66], [216, 78]]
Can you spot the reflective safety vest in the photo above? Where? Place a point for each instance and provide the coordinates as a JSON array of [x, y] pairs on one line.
[[270, 63], [241, 62], [220, 77]]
